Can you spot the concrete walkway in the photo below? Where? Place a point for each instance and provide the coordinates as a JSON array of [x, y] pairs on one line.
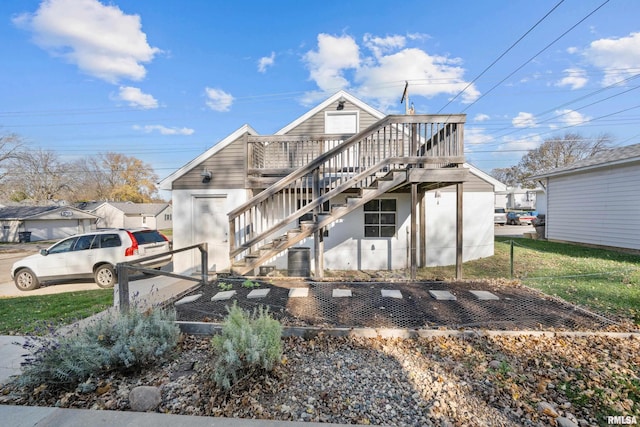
[[31, 416]]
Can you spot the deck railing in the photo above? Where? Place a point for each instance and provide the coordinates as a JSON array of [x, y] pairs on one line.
[[395, 142]]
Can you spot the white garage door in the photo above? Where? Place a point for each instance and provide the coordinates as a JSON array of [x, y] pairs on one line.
[[52, 230]]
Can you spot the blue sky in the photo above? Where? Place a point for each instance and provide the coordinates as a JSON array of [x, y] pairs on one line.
[[165, 80]]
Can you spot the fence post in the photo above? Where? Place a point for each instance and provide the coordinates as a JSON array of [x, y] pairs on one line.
[[204, 262], [123, 287], [511, 258]]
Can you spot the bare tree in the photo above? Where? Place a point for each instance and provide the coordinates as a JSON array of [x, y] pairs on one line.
[[38, 175], [10, 146], [554, 152]]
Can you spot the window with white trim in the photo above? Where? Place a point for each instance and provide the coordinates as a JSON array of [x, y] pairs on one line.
[[380, 218], [341, 122]]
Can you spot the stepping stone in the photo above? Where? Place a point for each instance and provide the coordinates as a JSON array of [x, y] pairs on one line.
[[190, 298], [485, 295], [258, 293], [391, 293], [341, 293], [442, 295], [222, 296], [298, 292]]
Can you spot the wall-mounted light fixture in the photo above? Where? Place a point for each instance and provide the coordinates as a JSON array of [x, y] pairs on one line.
[[341, 102], [206, 175]]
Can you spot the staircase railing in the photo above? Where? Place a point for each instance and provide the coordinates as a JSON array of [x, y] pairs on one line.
[[435, 140]]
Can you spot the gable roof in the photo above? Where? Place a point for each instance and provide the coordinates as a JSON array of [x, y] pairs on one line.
[[607, 158], [32, 212], [497, 185], [149, 209], [165, 184], [324, 104]]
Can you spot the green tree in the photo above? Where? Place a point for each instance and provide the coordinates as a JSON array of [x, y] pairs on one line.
[[126, 178]]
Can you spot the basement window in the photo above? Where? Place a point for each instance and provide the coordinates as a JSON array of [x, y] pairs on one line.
[[380, 218]]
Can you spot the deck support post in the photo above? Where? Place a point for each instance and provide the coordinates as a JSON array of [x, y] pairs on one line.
[[318, 243], [414, 231], [423, 229], [459, 240]]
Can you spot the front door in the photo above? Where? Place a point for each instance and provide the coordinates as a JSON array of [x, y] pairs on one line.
[[211, 225]]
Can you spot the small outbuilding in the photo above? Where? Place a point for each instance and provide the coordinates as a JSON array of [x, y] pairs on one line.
[[34, 223], [595, 201], [157, 216]]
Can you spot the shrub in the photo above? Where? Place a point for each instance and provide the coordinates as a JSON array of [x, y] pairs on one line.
[[247, 344], [112, 343]]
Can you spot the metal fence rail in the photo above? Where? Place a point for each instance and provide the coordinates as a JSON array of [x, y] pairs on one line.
[[123, 268]]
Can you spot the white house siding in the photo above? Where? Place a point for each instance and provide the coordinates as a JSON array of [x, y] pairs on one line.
[[183, 229], [597, 207]]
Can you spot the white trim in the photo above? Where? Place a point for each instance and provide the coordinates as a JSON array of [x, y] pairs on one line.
[[587, 168], [335, 97], [165, 184]]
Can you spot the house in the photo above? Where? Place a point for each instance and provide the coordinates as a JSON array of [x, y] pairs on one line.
[[361, 190], [517, 199], [596, 200], [157, 216], [43, 222]]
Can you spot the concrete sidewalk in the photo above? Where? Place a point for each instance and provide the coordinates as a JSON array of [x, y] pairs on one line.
[[31, 416]]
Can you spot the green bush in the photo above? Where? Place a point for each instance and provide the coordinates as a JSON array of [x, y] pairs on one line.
[[112, 343], [247, 344]]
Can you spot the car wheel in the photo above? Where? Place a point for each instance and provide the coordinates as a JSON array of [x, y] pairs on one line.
[[26, 281], [105, 276]]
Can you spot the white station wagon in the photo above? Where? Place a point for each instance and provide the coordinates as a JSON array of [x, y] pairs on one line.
[[91, 255]]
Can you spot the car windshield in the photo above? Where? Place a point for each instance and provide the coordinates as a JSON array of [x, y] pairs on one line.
[[148, 236]]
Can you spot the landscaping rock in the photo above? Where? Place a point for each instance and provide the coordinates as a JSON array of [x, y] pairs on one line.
[[546, 408], [144, 398], [565, 422]]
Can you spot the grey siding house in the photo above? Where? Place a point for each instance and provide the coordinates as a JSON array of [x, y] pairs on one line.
[[361, 190], [44, 222], [595, 201], [157, 216]]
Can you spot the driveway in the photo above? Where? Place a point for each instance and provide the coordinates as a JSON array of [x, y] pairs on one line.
[[139, 285], [513, 230]]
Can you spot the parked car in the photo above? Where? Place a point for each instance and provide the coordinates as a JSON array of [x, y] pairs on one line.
[[499, 216], [519, 218], [91, 255]]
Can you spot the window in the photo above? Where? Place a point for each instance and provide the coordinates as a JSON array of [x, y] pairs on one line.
[[64, 246], [380, 218], [341, 122], [109, 241], [167, 217], [84, 242]]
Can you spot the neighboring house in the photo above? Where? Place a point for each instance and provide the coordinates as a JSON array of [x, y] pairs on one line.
[[518, 199], [596, 200], [44, 222], [360, 189], [156, 216]]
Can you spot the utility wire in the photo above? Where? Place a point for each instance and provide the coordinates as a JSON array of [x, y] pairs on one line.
[[501, 56], [534, 56]]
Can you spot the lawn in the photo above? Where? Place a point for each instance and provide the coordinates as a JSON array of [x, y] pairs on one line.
[[598, 279], [36, 315], [601, 280]]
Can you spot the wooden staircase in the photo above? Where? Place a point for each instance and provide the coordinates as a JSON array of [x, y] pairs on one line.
[[365, 166], [293, 236]]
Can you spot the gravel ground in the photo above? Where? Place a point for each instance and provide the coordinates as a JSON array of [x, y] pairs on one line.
[[443, 381]]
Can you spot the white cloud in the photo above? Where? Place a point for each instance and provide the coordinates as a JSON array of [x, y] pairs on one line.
[[136, 98], [524, 120], [163, 130], [575, 78], [381, 74], [101, 40], [327, 64], [218, 100], [572, 50], [382, 45], [481, 117], [522, 143], [619, 58], [266, 62], [571, 117]]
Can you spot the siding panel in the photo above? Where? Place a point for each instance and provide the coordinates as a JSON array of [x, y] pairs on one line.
[[598, 207], [315, 124], [228, 167]]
